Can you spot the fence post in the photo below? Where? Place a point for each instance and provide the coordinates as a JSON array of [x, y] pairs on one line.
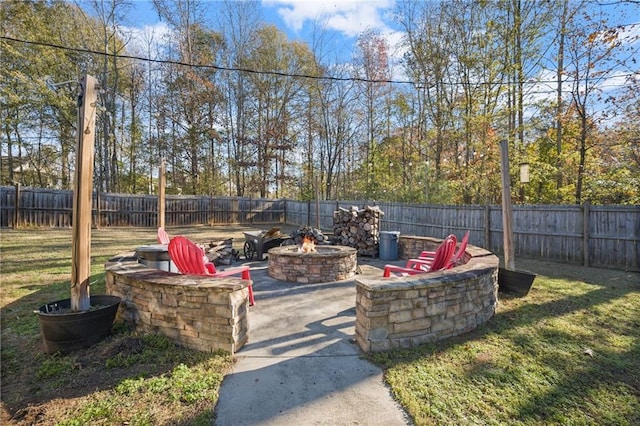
[[250, 211], [161, 194], [284, 219], [585, 233], [16, 209], [235, 211], [487, 227], [317, 203], [98, 212]]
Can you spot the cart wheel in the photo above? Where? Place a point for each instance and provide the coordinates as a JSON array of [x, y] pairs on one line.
[[249, 250]]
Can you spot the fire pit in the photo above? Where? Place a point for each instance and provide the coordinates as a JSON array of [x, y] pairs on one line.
[[325, 264]]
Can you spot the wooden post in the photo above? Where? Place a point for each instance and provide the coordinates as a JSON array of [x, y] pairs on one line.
[[585, 233], [317, 203], [487, 227], [161, 193], [284, 214], [82, 196], [235, 211], [507, 212], [98, 212], [16, 209]]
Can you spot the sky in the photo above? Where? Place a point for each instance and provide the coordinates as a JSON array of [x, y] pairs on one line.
[[344, 20], [347, 17]]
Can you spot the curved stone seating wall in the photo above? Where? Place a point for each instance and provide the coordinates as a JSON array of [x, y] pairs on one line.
[[198, 312], [408, 311]]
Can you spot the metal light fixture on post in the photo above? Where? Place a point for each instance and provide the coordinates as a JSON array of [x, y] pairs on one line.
[[524, 172], [524, 178]]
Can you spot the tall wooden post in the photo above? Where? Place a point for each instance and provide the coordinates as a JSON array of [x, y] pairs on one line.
[[161, 196], [585, 233], [507, 211], [16, 210], [317, 203], [82, 196]]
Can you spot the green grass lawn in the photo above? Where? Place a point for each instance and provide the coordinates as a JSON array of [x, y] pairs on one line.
[[568, 353]]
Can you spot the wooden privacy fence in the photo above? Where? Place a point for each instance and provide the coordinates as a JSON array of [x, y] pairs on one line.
[[45, 207], [602, 236]]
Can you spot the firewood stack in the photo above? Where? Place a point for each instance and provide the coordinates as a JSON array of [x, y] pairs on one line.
[[307, 231], [359, 229], [221, 252]]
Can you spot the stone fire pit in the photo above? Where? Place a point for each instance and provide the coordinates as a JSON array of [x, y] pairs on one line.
[[328, 263]]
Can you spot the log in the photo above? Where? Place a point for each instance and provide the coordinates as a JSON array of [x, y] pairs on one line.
[[358, 228]]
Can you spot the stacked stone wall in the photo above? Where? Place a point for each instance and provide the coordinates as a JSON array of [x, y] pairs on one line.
[[330, 263], [406, 311], [198, 312]]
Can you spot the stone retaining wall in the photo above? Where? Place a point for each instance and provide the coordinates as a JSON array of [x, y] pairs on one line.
[[406, 311], [198, 312]]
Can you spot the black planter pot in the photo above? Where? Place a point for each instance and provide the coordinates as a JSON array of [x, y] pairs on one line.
[[515, 282], [66, 332]]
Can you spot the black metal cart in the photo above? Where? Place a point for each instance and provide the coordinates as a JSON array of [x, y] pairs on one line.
[[258, 243]]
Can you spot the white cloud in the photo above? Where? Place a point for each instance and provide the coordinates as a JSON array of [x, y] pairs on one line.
[[349, 17], [147, 37]]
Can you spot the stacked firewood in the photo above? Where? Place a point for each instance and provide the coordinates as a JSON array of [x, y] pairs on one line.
[[357, 228], [221, 252], [314, 234]]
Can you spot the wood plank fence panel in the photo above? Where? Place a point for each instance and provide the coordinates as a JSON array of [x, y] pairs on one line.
[[125, 210], [296, 213], [614, 236], [7, 207], [325, 219], [552, 232], [258, 210], [222, 211]]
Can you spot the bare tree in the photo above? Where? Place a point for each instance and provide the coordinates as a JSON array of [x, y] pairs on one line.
[[372, 70]]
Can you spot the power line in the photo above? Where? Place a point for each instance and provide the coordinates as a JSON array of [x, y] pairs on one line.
[[259, 72], [215, 67]]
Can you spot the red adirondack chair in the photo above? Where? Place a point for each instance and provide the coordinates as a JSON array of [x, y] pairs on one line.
[[190, 259], [440, 261], [426, 257], [163, 237]]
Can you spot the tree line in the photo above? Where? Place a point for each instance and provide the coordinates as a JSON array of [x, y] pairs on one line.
[[236, 108]]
